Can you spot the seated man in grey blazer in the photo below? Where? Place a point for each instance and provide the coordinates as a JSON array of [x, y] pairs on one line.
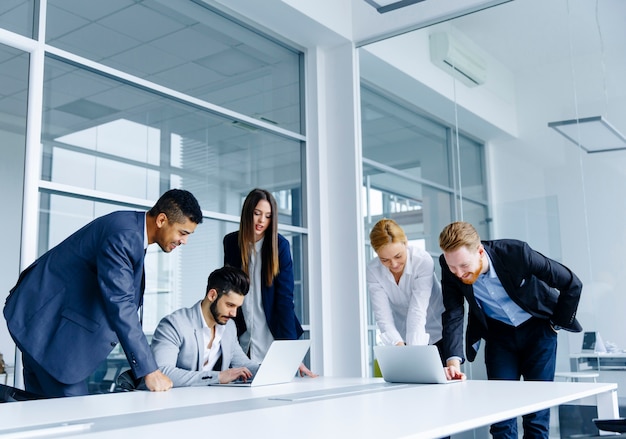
[[198, 346]]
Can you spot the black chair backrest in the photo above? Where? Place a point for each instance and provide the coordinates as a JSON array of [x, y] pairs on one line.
[[13, 394], [127, 382]]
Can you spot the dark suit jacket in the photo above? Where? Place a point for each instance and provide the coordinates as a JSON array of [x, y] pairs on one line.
[[77, 301], [539, 285], [277, 298]]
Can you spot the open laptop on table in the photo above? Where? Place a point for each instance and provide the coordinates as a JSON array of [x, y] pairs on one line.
[[279, 365], [411, 364]]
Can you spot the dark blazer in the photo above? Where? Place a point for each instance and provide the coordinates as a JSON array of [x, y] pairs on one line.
[[73, 305], [541, 286], [277, 298]]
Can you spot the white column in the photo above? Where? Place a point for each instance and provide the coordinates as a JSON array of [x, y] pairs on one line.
[[336, 229]]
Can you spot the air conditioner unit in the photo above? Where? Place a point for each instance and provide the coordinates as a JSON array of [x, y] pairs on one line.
[[447, 53]]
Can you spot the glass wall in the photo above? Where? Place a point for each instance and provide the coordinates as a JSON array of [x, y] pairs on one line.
[[14, 66], [545, 189], [186, 47], [141, 97], [18, 16], [410, 175]]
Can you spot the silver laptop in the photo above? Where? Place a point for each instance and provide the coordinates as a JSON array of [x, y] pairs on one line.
[[279, 365], [411, 364]]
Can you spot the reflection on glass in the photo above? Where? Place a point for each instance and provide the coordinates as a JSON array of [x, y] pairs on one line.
[[301, 299], [18, 16], [414, 170], [13, 96], [401, 138], [477, 215], [100, 134], [422, 216], [472, 169], [188, 48]]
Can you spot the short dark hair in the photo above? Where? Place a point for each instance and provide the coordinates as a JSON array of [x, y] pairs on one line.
[[227, 279], [178, 204]]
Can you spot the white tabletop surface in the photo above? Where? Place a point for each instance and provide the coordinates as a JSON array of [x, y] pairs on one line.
[[306, 408]]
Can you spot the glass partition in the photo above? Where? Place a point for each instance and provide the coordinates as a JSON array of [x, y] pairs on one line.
[[14, 67], [512, 175], [104, 135], [179, 96], [409, 174], [19, 16], [187, 47]]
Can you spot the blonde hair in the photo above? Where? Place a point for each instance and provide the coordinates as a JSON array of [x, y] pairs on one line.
[[386, 231], [457, 235]]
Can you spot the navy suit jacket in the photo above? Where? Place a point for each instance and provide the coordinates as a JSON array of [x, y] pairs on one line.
[[277, 298], [73, 305], [541, 286]]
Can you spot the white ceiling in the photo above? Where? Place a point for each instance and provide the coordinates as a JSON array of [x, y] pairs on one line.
[[369, 25], [528, 35]]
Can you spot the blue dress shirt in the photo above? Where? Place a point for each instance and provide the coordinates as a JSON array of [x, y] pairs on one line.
[[495, 302]]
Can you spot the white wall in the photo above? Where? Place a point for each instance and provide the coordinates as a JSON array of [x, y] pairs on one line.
[[402, 66], [586, 188]]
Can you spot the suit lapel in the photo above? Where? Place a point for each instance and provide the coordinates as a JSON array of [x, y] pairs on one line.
[[506, 275], [199, 335]]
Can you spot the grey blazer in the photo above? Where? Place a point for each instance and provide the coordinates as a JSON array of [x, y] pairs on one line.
[[178, 348]]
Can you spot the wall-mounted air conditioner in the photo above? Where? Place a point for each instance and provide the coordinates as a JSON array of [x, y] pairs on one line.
[[449, 54]]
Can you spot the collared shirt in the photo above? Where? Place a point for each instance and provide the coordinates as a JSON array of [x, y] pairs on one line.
[[409, 310], [211, 354], [494, 300]]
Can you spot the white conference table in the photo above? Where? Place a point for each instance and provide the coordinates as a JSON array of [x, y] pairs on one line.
[[304, 408]]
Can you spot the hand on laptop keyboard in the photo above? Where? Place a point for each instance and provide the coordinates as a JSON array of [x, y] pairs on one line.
[[235, 374]]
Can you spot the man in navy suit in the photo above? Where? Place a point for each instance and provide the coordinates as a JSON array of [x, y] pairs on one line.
[[518, 299], [76, 302]]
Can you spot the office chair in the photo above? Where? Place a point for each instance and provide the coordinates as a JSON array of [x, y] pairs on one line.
[[126, 382], [612, 425], [13, 394]]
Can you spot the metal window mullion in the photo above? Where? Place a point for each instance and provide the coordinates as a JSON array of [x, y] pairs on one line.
[[126, 78], [33, 153]]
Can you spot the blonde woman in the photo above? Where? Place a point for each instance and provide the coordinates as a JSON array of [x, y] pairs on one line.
[[404, 292]]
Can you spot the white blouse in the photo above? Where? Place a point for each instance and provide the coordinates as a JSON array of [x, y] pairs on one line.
[[258, 337], [409, 311]]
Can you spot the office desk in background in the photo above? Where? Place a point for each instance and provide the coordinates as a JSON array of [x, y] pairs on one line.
[[598, 361], [305, 408], [611, 367]]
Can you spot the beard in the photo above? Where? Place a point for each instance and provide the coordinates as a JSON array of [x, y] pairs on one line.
[[474, 276], [215, 314]]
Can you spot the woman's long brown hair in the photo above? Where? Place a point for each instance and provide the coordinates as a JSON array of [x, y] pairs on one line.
[[269, 251]]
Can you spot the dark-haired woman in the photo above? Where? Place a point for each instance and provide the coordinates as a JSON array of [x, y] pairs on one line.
[[268, 312]]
